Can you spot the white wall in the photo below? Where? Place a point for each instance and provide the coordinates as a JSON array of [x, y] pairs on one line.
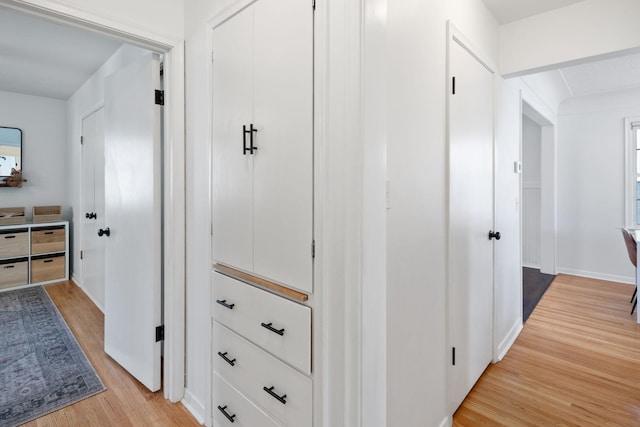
[[591, 185], [79, 105], [44, 157], [417, 218], [531, 163], [582, 30]]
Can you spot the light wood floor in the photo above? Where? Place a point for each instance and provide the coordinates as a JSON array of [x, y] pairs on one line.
[[576, 363], [125, 402]]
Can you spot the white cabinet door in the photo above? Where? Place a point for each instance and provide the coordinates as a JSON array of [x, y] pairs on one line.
[[232, 168], [93, 204], [133, 201], [263, 201], [283, 165], [471, 219]]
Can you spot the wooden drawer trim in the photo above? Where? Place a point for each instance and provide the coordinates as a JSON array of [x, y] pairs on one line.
[[261, 283]]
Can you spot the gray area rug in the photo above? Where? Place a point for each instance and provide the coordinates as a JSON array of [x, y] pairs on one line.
[[42, 367]]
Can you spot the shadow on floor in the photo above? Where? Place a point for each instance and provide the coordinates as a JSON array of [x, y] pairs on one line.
[[534, 285]]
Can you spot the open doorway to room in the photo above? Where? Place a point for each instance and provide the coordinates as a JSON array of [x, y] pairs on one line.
[[537, 147]]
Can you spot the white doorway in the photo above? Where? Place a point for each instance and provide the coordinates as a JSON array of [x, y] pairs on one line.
[[471, 218]]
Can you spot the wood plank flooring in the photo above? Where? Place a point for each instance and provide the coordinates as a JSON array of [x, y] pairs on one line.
[[125, 402], [576, 363]]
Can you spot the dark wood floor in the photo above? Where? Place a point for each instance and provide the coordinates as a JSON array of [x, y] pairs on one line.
[[576, 363], [534, 285], [125, 402]]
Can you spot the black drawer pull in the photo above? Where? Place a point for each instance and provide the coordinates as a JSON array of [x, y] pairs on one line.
[[48, 232], [9, 237], [9, 266], [47, 260], [280, 399], [226, 359], [223, 302], [272, 329], [229, 417]]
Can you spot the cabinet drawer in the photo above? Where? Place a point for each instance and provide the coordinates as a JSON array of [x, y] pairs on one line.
[[48, 240], [240, 411], [251, 369], [276, 324], [14, 272], [14, 244], [48, 268]]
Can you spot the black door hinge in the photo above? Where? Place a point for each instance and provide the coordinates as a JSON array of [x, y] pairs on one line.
[[81, 140], [313, 249], [159, 97], [159, 333], [453, 86], [81, 254], [313, 4], [453, 356]]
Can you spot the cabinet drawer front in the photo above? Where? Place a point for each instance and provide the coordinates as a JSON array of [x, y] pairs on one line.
[[227, 400], [14, 244], [47, 241], [250, 369], [49, 268], [14, 274], [276, 324]]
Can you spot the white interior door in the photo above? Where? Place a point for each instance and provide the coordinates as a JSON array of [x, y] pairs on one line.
[[233, 166], [92, 189], [133, 217], [471, 219], [283, 165]]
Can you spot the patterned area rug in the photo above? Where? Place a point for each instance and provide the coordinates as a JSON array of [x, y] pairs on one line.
[[42, 367]]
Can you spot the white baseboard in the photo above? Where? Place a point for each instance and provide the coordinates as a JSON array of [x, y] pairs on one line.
[[194, 406], [446, 422], [508, 341], [77, 282], [536, 266], [600, 276]]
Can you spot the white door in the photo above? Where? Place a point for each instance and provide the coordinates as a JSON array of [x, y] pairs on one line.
[[283, 165], [232, 165], [471, 219], [92, 190], [133, 218]]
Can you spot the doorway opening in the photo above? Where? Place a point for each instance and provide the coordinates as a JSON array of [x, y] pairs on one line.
[[537, 195]]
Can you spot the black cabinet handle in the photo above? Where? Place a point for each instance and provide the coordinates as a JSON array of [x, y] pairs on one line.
[[272, 329], [229, 417], [105, 232], [9, 266], [48, 232], [9, 237], [226, 359], [47, 260], [244, 140], [493, 235], [223, 302], [251, 147], [280, 399]]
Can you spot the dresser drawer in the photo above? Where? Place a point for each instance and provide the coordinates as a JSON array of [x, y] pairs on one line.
[[276, 324], [48, 240], [14, 243], [14, 272], [252, 369], [230, 408], [46, 268]]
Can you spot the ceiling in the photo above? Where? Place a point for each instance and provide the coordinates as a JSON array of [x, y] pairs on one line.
[[506, 11], [43, 58]]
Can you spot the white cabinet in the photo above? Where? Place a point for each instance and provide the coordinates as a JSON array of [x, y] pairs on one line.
[[263, 142]]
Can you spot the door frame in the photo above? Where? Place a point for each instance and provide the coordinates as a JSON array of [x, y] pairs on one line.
[[173, 170]]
